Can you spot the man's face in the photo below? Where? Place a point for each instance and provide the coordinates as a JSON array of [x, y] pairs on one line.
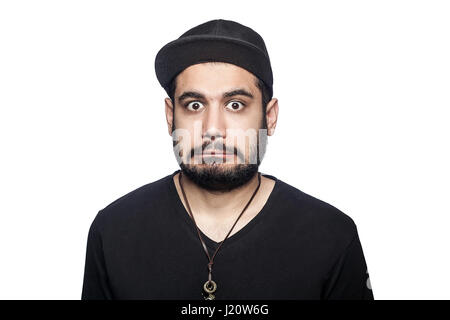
[[219, 133]]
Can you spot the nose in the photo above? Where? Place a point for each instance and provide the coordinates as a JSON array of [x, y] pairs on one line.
[[214, 125]]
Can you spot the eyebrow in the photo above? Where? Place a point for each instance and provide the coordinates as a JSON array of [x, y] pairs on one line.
[[198, 95]]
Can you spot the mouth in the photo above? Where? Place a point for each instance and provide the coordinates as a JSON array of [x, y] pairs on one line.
[[218, 154]]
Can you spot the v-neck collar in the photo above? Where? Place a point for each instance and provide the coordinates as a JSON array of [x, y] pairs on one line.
[[184, 215]]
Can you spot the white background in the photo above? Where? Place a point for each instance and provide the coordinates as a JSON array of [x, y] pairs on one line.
[[363, 89]]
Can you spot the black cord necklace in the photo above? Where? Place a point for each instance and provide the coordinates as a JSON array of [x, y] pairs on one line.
[[210, 286]]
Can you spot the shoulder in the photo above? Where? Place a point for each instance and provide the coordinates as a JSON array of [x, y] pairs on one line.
[[312, 216], [134, 205]]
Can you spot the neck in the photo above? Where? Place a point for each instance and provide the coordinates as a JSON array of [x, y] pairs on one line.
[[217, 204]]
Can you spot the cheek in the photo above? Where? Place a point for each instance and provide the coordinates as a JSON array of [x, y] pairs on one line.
[[245, 141], [182, 141]]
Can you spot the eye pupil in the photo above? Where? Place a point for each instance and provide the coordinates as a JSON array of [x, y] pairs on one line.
[[235, 104], [195, 106]]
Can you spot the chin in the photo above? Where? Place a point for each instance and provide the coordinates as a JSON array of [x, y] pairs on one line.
[[219, 176]]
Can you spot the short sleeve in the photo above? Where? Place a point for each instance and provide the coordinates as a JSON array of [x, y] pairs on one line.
[[95, 281], [349, 278]]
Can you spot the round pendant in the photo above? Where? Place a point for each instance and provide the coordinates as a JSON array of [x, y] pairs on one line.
[[210, 287]]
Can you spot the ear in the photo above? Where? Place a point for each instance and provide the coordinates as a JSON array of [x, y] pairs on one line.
[[169, 114], [272, 116]]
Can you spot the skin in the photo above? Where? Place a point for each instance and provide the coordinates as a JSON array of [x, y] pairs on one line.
[[216, 211]]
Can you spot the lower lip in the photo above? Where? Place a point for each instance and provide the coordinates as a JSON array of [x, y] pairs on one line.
[[218, 155]]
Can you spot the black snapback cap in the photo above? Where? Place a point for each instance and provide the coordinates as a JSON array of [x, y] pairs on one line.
[[216, 40]]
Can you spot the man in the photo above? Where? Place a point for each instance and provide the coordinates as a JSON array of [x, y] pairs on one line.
[[217, 228]]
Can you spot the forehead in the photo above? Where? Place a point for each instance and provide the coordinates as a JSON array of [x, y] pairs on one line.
[[215, 78]]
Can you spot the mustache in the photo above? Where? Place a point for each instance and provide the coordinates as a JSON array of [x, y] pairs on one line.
[[215, 146]]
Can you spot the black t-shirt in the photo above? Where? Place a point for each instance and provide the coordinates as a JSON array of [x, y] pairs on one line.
[[144, 245]]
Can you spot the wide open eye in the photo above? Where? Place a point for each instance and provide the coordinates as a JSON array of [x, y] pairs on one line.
[[235, 105], [194, 106]]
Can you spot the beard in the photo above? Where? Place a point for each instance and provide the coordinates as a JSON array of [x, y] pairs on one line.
[[215, 177], [224, 177]]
